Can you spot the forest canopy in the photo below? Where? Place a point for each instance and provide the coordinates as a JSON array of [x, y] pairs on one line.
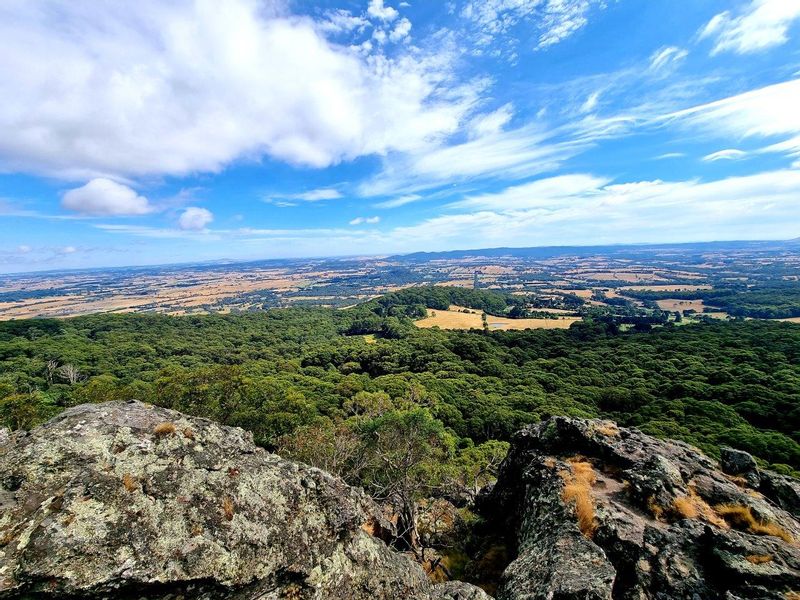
[[303, 371]]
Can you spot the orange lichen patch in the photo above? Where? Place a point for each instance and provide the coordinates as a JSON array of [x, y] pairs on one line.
[[758, 559], [188, 433], [164, 429], [742, 518], [227, 508], [578, 483], [129, 482]]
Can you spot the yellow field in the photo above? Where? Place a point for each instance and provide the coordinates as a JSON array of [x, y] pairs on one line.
[[453, 319], [791, 320], [665, 288]]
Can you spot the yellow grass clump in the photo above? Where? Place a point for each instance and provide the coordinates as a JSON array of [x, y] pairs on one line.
[[742, 518], [578, 490], [164, 429]]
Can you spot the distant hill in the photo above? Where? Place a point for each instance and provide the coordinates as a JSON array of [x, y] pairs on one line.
[[618, 251]]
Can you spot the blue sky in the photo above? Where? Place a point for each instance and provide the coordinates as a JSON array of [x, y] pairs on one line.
[[158, 132]]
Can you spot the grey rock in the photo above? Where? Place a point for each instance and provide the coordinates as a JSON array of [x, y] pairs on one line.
[[741, 463], [655, 534], [457, 590], [122, 500]]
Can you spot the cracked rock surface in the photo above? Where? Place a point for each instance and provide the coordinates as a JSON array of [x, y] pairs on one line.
[[126, 500], [663, 520]]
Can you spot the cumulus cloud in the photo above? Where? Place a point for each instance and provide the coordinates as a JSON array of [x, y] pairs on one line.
[[103, 197], [401, 30], [379, 11], [761, 25], [365, 220], [195, 219], [152, 88]]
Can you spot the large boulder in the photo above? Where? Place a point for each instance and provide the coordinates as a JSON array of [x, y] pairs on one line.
[[125, 500], [591, 510]]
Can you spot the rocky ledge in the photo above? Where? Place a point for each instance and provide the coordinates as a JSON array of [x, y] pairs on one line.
[[594, 511], [125, 500]]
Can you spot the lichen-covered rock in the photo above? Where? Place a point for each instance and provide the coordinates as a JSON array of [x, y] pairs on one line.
[[597, 511], [123, 500], [457, 590]]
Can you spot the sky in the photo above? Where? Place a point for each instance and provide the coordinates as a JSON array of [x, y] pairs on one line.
[[164, 131]]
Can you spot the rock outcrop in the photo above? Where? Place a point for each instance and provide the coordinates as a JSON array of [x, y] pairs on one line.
[[125, 500], [594, 511]]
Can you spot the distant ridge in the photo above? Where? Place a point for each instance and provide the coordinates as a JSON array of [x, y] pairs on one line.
[[620, 250]]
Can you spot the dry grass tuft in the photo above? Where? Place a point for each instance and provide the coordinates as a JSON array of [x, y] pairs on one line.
[[607, 428], [188, 433], [578, 489], [685, 508], [759, 559], [792, 595], [742, 518], [692, 506], [164, 429], [130, 483], [227, 508]]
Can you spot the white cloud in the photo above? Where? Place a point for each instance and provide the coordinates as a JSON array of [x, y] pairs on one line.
[[727, 154], [542, 193], [763, 24], [401, 30], [666, 57], [379, 11], [398, 202], [516, 153], [69, 250], [151, 88], [105, 197], [195, 219], [554, 20], [591, 102], [24, 249], [491, 123], [762, 113], [317, 195], [365, 220], [762, 206], [342, 21]]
